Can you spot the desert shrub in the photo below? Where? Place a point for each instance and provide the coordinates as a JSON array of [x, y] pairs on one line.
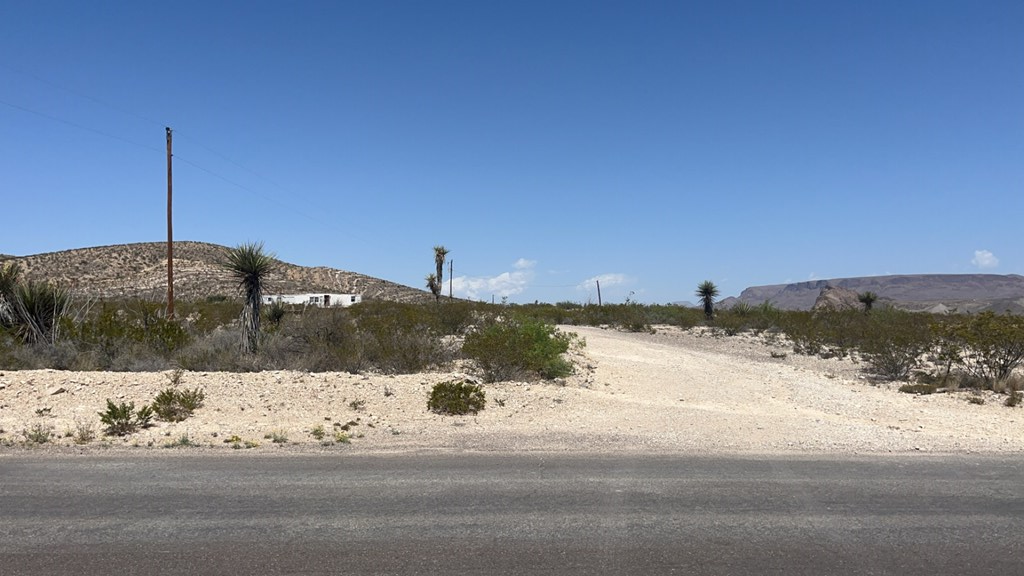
[[456, 397], [175, 405], [398, 338], [127, 336], [452, 317], [122, 419], [509, 348], [275, 312], [987, 346], [894, 342], [217, 351], [320, 340], [60, 355], [921, 389]]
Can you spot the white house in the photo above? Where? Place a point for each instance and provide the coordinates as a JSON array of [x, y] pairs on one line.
[[320, 300]]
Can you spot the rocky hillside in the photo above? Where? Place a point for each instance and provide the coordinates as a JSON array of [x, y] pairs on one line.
[[933, 292], [140, 271]]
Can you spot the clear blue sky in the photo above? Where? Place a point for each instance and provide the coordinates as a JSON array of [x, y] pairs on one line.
[[546, 144]]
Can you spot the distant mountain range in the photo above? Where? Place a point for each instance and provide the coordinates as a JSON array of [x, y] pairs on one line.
[[140, 271], [919, 292]]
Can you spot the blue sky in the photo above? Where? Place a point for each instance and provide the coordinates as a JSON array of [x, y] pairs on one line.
[[545, 144]]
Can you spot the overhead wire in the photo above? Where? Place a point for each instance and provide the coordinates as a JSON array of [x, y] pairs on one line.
[[177, 156]]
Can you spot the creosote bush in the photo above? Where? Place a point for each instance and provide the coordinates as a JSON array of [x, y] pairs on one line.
[[174, 405], [122, 419], [515, 347], [456, 397]]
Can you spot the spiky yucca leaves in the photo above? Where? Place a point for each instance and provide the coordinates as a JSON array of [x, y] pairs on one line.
[[250, 265], [867, 299], [707, 292], [37, 310], [10, 272]]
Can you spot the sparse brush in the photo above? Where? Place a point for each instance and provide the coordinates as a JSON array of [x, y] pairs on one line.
[[318, 432], [183, 441], [84, 432], [38, 434]]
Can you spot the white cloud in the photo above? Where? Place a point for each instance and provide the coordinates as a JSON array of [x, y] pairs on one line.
[[504, 284], [604, 279], [984, 259]]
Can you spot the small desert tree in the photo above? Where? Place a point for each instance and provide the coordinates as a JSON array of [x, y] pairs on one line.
[[867, 299], [706, 293], [435, 281], [250, 265]]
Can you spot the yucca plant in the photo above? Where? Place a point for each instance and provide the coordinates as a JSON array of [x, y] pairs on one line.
[[707, 292], [435, 281], [37, 310], [867, 299], [9, 275], [250, 265]]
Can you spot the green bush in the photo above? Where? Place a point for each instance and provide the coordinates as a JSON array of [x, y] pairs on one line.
[[174, 405], [508, 348], [456, 398], [398, 338], [894, 342], [987, 346], [122, 419]]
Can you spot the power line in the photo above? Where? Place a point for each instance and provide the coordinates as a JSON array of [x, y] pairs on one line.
[[181, 159], [79, 126], [180, 134]]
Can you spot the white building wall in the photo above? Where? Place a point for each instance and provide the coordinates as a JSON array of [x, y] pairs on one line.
[[318, 299]]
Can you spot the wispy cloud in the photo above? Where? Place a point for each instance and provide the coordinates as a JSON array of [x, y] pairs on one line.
[[504, 284], [984, 259], [605, 280]]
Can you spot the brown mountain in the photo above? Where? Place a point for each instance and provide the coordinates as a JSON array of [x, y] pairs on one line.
[[140, 271], [934, 292]]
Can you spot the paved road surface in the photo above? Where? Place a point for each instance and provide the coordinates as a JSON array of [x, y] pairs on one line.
[[488, 514]]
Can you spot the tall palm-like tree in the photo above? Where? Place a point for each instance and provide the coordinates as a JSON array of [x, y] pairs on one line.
[[867, 299], [250, 265], [706, 292], [435, 281]]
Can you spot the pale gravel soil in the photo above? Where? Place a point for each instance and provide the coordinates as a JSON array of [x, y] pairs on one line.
[[668, 392]]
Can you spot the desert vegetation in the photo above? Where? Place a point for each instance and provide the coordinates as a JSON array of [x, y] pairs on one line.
[[499, 342]]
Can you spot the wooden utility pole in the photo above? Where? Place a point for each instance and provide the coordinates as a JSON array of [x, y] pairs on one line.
[[451, 263], [598, 292], [170, 235]]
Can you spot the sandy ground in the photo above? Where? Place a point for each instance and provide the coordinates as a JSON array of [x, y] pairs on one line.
[[668, 392]]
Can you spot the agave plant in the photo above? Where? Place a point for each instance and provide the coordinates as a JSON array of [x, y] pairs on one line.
[[250, 265]]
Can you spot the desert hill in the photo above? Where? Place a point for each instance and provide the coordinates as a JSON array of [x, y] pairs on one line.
[[140, 271], [934, 292]]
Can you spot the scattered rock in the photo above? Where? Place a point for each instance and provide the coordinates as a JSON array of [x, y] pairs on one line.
[[55, 390]]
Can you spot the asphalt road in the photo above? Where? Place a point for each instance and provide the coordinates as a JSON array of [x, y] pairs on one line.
[[509, 514]]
